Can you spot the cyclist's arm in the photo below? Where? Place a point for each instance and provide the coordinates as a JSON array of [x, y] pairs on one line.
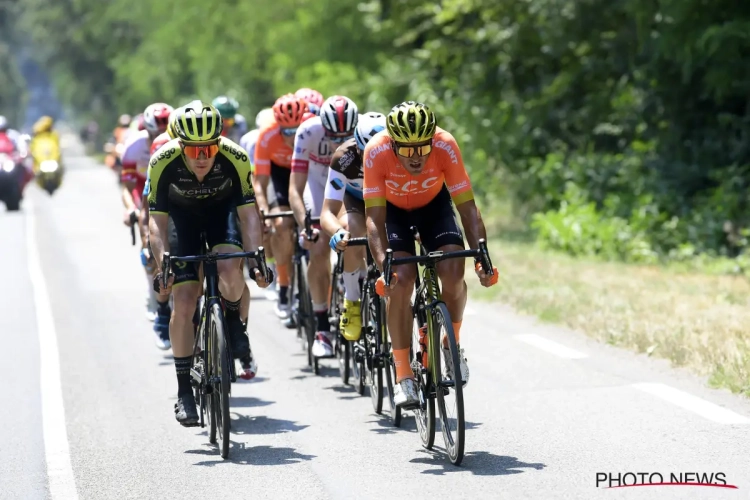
[[244, 198], [459, 186], [334, 195], [298, 179], [375, 209], [261, 176], [157, 187]]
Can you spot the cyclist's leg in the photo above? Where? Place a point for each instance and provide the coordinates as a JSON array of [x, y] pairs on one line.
[[224, 236], [184, 239], [319, 270], [283, 246], [271, 293], [439, 230], [353, 219], [400, 316]]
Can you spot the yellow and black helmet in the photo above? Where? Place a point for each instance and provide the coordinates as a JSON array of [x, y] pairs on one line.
[[198, 122], [411, 122]]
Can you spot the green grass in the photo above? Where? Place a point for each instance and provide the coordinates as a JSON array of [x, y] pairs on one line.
[[696, 319]]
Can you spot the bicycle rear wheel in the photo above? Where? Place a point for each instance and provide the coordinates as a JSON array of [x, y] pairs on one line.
[[221, 388], [377, 350], [304, 310], [450, 393]]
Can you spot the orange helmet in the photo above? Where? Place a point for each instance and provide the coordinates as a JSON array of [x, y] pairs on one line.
[[288, 110]]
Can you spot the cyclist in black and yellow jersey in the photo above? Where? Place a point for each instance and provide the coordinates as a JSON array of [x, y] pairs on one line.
[[198, 182]]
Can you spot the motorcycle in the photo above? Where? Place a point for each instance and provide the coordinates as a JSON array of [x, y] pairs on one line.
[[12, 176], [47, 164]]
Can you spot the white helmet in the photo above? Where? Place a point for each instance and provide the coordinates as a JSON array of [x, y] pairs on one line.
[[265, 116], [3, 124], [339, 115], [368, 125], [156, 117]]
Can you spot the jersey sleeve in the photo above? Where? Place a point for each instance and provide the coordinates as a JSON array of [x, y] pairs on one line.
[[456, 177], [262, 156], [129, 159], [301, 154], [157, 179], [374, 178], [242, 187], [336, 184]]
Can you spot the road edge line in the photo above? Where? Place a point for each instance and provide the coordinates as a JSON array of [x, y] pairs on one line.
[[56, 448]]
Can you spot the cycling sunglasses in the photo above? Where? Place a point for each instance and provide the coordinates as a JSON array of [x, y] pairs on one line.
[[194, 151], [408, 151], [288, 132], [338, 138]]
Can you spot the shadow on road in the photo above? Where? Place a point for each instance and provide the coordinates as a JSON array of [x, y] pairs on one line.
[[248, 402], [261, 424], [324, 371], [256, 455], [479, 463], [385, 424]]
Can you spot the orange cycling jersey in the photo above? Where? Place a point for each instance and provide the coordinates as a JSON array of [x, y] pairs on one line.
[[270, 148], [386, 180]]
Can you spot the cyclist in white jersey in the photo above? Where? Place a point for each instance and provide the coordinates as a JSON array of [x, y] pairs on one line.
[[344, 189], [135, 157], [313, 147]]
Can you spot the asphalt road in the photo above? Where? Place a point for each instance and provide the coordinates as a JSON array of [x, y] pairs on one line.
[[548, 409]]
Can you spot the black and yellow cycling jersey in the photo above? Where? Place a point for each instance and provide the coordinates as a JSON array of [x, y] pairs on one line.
[[171, 183]]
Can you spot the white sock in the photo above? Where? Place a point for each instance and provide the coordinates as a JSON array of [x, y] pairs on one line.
[[351, 285]]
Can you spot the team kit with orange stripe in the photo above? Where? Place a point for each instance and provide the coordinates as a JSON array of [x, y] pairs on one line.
[[410, 173]]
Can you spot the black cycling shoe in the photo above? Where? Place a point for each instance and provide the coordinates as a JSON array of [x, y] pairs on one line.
[[185, 411], [240, 342]]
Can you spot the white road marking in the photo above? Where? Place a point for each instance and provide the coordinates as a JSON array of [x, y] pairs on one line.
[[57, 453], [693, 403], [550, 346]]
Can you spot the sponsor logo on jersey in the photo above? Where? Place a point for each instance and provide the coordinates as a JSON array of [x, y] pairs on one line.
[[164, 155], [461, 185], [346, 159], [373, 190], [239, 155], [411, 187], [448, 148]]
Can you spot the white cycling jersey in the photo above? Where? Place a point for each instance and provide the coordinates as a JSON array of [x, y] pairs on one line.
[[312, 154], [137, 153]]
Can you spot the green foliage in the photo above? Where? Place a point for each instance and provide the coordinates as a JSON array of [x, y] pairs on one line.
[[617, 127]]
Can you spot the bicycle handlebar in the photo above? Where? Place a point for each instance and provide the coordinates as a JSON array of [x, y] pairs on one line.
[[309, 220], [480, 253], [259, 255]]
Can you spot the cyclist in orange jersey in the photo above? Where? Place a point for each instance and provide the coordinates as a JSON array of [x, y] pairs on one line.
[[273, 161], [413, 176]]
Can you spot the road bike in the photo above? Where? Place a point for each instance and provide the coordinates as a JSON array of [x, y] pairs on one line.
[[432, 316], [213, 369], [301, 312]]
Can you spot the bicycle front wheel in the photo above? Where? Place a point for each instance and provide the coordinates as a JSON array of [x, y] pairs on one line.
[[221, 386], [450, 393], [304, 310], [378, 351]]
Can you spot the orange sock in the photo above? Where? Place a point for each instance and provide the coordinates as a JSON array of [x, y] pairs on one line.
[[401, 361], [283, 274], [456, 331]]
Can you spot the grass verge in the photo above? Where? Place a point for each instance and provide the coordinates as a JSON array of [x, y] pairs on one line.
[[694, 319]]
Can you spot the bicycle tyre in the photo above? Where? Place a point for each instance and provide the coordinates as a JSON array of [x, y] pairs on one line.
[[304, 311], [425, 417], [454, 440], [376, 373], [390, 377], [343, 349], [221, 361], [209, 374], [358, 367]]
